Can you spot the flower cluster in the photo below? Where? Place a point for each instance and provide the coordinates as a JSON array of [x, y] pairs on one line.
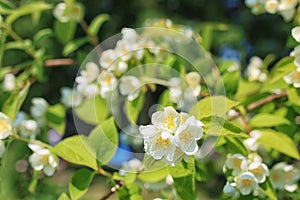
[[284, 176], [285, 8], [184, 95], [42, 159], [5, 130], [172, 135], [254, 70], [244, 174], [294, 76]]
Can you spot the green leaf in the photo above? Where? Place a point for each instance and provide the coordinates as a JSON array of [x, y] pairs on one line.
[[131, 191], [14, 102], [236, 145], [23, 45], [97, 23], [217, 126], [80, 182], [214, 105], [75, 150], [246, 88], [293, 96], [279, 142], [65, 31], [164, 99], [267, 189], [63, 196], [104, 140], [29, 8], [42, 34], [56, 116], [282, 68], [74, 45], [153, 176], [184, 179], [268, 120], [133, 108], [92, 111], [6, 7]]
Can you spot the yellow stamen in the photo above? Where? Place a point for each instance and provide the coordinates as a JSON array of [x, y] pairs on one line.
[[3, 126]]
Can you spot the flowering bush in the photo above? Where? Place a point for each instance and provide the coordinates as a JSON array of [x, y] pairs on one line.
[[155, 110]]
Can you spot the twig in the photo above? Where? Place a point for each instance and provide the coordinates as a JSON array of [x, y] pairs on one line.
[[59, 62], [260, 102], [93, 39], [113, 190], [265, 100]]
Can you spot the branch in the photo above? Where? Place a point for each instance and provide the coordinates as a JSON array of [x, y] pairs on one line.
[[261, 102], [93, 39], [113, 190], [59, 62]]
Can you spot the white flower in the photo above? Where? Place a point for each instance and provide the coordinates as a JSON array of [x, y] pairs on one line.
[[39, 107], [187, 135], [59, 12], [296, 54], [257, 6], [293, 78], [131, 166], [108, 84], [130, 86], [42, 159], [260, 171], [246, 183], [122, 67], [108, 59], [193, 80], [70, 98], [91, 91], [296, 33], [65, 14], [29, 128], [5, 126], [129, 35], [2, 148], [169, 180], [237, 163], [156, 144], [271, 6], [252, 143], [125, 49], [91, 72], [230, 190], [9, 82], [254, 71], [287, 8]]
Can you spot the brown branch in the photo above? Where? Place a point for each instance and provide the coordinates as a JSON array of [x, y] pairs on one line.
[[265, 100], [59, 62], [93, 39], [113, 190], [261, 102]]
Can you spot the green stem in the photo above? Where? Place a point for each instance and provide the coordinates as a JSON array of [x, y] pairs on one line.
[[18, 137]]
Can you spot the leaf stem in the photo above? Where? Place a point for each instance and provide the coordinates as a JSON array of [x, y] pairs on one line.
[[93, 39]]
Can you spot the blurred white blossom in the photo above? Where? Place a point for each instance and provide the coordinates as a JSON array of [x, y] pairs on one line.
[[131, 166], [230, 190], [284, 176], [39, 107], [254, 71], [130, 86], [108, 84], [251, 143], [5, 126], [29, 128], [246, 183], [68, 12], [293, 78], [70, 97], [42, 159], [259, 170], [9, 82]]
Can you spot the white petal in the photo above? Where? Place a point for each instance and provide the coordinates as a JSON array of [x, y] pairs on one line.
[[296, 33], [148, 131], [49, 170]]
